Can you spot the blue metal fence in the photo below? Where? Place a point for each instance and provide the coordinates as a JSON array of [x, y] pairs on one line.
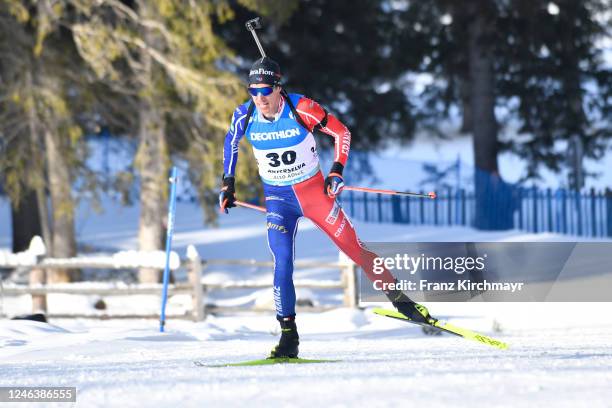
[[585, 213]]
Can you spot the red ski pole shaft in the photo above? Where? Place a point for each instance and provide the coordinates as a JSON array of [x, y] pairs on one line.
[[243, 204], [391, 192], [252, 206]]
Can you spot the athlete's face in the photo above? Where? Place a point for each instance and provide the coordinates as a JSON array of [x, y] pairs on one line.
[[267, 105]]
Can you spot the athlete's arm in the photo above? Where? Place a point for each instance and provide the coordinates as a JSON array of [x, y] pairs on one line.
[[315, 116], [232, 140]]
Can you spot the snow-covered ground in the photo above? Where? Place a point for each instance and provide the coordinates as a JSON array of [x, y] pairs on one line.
[[384, 363], [560, 354]]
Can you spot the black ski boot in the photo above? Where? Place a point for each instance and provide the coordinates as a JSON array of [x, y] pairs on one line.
[[287, 347], [409, 308], [414, 311]]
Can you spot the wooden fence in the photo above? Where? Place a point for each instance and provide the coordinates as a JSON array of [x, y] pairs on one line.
[[196, 285]]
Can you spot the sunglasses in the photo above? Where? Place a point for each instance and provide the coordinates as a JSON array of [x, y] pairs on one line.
[[265, 91]]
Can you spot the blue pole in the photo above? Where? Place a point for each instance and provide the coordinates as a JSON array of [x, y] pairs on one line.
[[170, 229]]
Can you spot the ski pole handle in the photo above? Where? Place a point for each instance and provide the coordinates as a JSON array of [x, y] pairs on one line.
[[431, 195], [253, 25]]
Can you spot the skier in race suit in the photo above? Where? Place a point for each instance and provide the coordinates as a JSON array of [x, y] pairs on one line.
[[280, 127]]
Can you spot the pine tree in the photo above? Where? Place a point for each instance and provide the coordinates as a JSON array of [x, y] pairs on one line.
[[41, 138], [493, 53], [553, 65], [164, 58]]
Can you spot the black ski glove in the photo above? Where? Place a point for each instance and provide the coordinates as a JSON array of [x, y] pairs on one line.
[[334, 183], [227, 196]]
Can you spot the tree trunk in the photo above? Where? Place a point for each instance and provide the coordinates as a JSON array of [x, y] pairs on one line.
[[466, 105], [26, 225], [575, 121], [482, 92], [37, 166], [494, 197], [152, 162], [60, 187], [25, 221]]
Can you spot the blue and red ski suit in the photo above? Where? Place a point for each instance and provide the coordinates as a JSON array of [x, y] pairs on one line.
[[288, 163]]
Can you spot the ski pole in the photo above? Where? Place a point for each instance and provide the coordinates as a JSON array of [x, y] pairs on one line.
[[367, 190], [253, 25], [431, 195], [252, 206], [170, 229], [243, 204]]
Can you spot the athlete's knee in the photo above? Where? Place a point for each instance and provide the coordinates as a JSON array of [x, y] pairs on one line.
[[283, 270], [282, 252]]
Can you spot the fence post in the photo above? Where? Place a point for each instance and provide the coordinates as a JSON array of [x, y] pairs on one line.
[[593, 213], [578, 198], [396, 209], [564, 210], [549, 209], [571, 225], [521, 221], [349, 280], [407, 218], [38, 276], [435, 204], [422, 209], [609, 211], [195, 278], [449, 195], [463, 208], [558, 210], [535, 210], [601, 199], [379, 202]]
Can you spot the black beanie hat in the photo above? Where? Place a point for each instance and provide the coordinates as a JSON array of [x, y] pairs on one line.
[[265, 71]]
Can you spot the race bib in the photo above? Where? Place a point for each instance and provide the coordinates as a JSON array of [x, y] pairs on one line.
[[288, 165]]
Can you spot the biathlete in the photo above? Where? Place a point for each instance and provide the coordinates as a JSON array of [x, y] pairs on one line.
[[280, 127]]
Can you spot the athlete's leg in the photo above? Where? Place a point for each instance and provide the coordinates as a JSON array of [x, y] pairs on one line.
[[332, 220], [282, 221], [327, 214]]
